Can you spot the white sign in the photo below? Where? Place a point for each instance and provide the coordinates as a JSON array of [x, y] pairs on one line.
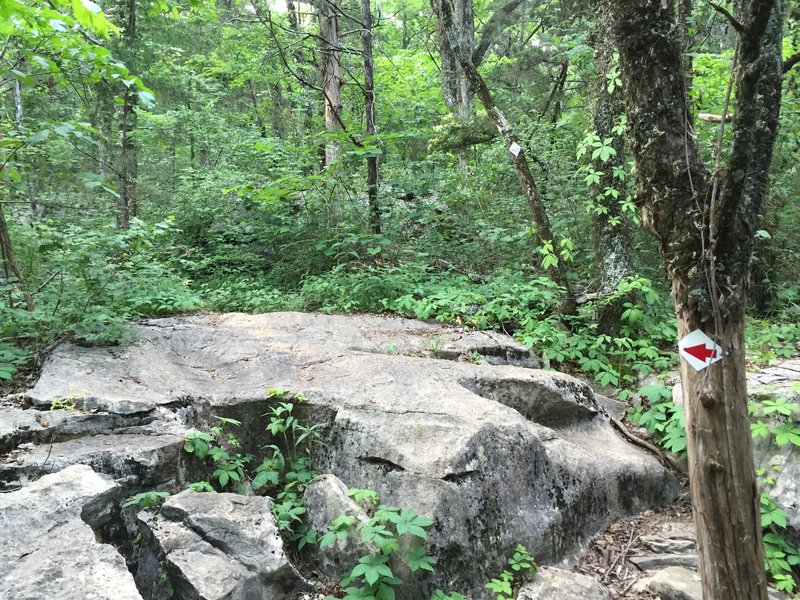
[[514, 149], [699, 350]]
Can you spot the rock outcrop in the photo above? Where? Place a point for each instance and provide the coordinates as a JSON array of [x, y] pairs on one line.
[[220, 546], [496, 453], [48, 548]]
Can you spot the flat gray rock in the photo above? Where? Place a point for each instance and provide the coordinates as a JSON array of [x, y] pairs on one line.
[[654, 562], [673, 583], [47, 551], [144, 459], [557, 584]]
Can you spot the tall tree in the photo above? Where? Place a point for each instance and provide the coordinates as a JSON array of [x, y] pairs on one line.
[[369, 110], [705, 224], [455, 83], [544, 232], [127, 171], [330, 71], [613, 251]]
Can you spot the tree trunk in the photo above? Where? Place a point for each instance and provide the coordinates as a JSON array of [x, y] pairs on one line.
[[127, 204], [456, 90], [544, 232], [612, 229], [10, 260], [291, 10], [706, 241], [465, 25], [19, 123], [330, 70], [369, 109]]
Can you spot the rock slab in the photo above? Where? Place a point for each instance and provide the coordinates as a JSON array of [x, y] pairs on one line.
[[220, 547], [557, 584], [48, 548], [496, 453]]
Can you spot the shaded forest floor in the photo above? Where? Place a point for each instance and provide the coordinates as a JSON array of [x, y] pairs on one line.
[[608, 558]]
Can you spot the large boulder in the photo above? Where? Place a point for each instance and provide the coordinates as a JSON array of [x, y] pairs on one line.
[[48, 548], [454, 424]]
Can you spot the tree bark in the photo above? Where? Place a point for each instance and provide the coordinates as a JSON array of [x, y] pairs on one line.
[[127, 203], [705, 243], [330, 70], [19, 123], [369, 109], [455, 83], [612, 230], [10, 260], [544, 232]]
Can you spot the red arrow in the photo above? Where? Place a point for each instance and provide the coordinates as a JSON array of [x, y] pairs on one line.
[[700, 352]]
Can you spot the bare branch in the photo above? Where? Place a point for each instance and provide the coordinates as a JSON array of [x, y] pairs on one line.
[[790, 62], [500, 19], [726, 13]]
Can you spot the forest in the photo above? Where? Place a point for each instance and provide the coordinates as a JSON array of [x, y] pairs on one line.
[[491, 164]]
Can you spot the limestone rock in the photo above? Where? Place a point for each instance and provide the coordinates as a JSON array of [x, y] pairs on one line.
[[654, 562], [150, 460], [557, 584], [676, 583], [42, 426], [220, 546], [673, 538], [495, 454], [47, 547], [326, 499]]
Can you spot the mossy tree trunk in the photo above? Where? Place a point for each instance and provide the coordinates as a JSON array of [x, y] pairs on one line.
[[705, 224]]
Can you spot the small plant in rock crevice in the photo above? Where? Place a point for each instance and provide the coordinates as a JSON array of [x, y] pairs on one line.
[[218, 445], [522, 568], [146, 499], [399, 536], [282, 474]]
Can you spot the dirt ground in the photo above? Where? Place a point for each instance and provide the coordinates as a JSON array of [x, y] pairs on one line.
[[608, 556]]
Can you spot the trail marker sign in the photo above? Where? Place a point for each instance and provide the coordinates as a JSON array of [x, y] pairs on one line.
[[699, 350]]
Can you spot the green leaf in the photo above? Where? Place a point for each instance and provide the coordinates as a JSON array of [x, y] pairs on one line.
[[39, 136], [417, 559], [147, 99], [409, 521], [372, 568]]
